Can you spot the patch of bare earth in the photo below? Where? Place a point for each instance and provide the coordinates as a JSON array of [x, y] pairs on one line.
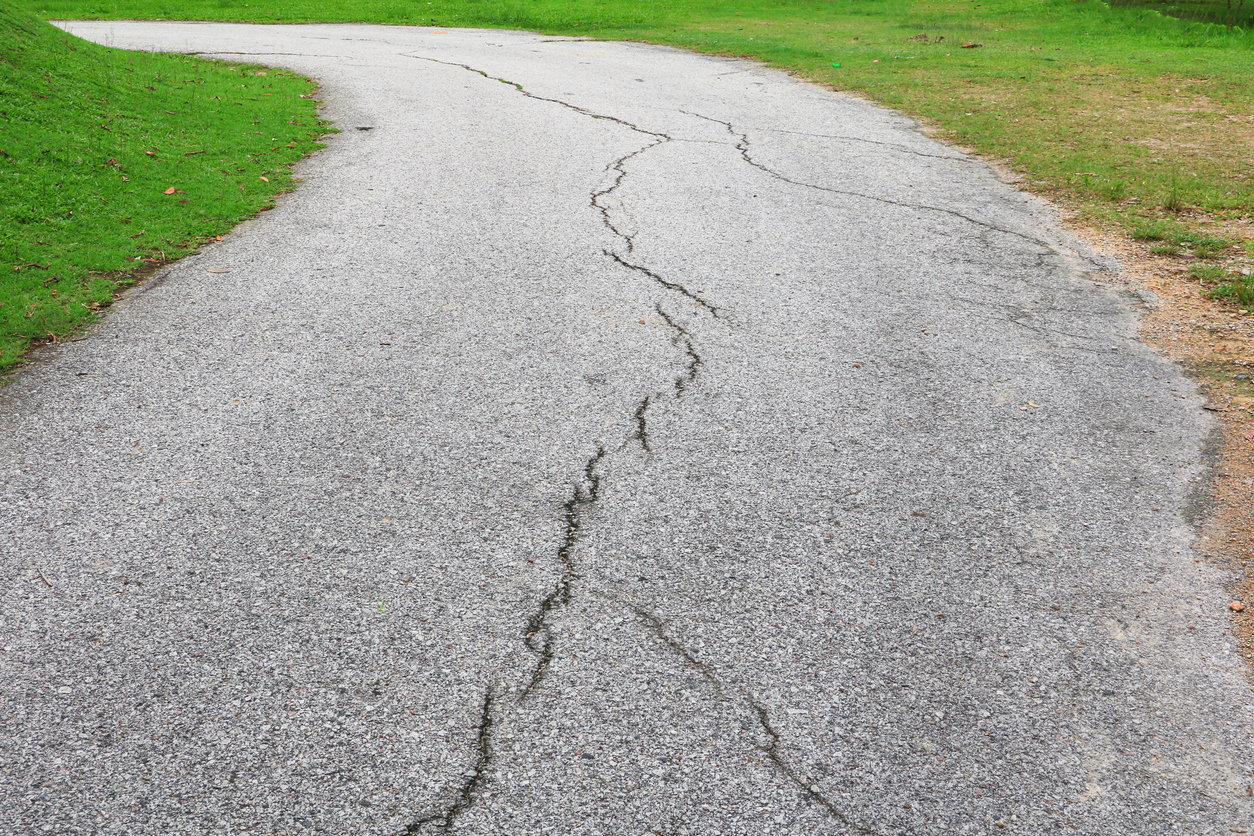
[[1214, 341]]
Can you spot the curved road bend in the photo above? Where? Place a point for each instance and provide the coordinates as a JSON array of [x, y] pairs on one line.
[[611, 440]]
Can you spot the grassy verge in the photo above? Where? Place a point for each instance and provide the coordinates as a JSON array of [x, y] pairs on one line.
[[1137, 120], [112, 162], [1225, 12]]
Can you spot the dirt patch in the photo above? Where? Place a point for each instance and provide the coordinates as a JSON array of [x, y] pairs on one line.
[[1214, 341]]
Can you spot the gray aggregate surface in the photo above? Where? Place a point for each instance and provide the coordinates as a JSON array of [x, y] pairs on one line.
[[611, 440]]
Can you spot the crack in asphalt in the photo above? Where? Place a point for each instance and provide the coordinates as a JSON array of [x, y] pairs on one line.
[[857, 139], [675, 287], [684, 336], [524, 91], [586, 490], [466, 795], [1016, 317], [617, 166], [772, 750], [742, 145], [538, 634], [642, 423]]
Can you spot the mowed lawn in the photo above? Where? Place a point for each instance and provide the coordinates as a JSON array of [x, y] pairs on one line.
[[1137, 121], [113, 163]]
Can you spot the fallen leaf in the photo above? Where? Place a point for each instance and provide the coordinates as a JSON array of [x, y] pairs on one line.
[[267, 179], [216, 270], [641, 321], [1236, 606], [171, 190], [1217, 407], [1034, 405], [1249, 436], [971, 46]]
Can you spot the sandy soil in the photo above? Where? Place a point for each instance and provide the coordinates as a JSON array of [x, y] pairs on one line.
[[1214, 341]]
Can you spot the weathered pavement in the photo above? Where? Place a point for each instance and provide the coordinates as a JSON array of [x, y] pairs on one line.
[[611, 441]]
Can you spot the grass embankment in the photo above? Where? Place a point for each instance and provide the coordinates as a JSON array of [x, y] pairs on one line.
[[1137, 120], [1225, 12], [112, 162]]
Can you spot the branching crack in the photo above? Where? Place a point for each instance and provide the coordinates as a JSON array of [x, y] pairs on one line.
[[617, 166], [538, 632], [742, 145], [759, 714], [466, 795]]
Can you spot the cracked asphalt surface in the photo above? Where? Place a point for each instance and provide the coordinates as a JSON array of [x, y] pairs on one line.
[[611, 440]]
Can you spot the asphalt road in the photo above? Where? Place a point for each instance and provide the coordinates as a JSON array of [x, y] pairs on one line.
[[611, 440]]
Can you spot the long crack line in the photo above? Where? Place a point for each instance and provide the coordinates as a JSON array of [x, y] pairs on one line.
[[474, 780], [742, 145], [675, 287], [784, 768], [759, 712], [539, 632], [617, 166], [524, 91]]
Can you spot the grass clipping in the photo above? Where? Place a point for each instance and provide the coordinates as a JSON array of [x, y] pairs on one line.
[[113, 162]]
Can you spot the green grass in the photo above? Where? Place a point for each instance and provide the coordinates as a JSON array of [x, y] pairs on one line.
[[1131, 113], [1133, 118], [1225, 285], [1225, 12], [91, 141]]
